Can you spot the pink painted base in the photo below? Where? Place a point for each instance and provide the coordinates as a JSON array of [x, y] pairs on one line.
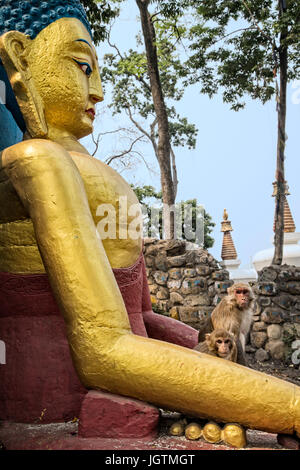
[[112, 416]]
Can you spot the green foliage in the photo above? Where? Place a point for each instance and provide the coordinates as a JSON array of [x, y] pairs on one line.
[[236, 47], [128, 74], [100, 14], [148, 197]]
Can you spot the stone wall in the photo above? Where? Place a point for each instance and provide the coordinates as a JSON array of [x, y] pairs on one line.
[[187, 283], [184, 283], [275, 332]]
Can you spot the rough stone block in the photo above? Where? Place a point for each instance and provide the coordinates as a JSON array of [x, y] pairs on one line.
[[290, 287], [200, 299], [193, 285], [175, 273], [190, 272], [149, 260], [266, 288], [162, 294], [296, 317], [272, 315], [160, 262], [264, 301], [284, 301], [204, 313], [258, 339], [274, 332], [220, 275], [189, 314], [261, 355], [221, 287], [153, 288], [175, 247], [106, 415], [259, 326], [268, 275], [256, 318], [174, 285], [152, 250], [161, 278], [203, 270], [276, 349], [176, 298], [176, 261]]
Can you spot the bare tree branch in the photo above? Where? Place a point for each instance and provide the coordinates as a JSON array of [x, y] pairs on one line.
[[126, 152]]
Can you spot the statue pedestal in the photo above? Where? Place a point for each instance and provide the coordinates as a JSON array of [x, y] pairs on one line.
[[106, 415]]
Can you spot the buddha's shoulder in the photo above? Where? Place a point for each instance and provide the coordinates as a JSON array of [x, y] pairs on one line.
[[33, 149]]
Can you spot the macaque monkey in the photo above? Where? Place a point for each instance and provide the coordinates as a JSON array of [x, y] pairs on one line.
[[234, 312], [219, 343]]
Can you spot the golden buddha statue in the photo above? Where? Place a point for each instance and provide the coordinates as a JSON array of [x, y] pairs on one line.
[[49, 194]]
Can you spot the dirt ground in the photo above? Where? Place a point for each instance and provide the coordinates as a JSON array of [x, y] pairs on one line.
[[287, 372]]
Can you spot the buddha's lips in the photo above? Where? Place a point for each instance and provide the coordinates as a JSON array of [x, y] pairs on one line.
[[91, 113]]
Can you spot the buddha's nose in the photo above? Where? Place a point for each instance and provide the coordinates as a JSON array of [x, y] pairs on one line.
[[96, 92]]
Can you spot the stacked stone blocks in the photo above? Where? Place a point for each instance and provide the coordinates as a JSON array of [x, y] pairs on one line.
[[275, 331], [184, 283]]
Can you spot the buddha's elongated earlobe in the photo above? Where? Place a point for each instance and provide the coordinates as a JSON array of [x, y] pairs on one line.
[[13, 46]]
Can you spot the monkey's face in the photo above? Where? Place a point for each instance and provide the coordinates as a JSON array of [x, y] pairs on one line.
[[224, 347], [242, 297]]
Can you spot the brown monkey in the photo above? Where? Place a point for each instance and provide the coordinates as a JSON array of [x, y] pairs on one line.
[[234, 312], [219, 343]]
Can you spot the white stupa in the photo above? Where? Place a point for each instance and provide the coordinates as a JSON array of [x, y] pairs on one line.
[[291, 249], [229, 256]]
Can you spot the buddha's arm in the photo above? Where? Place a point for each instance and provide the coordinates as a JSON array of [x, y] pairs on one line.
[[105, 352], [51, 189]]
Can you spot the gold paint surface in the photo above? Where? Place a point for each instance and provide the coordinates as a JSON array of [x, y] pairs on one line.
[[212, 433], [193, 431], [177, 429], [51, 186], [234, 435]]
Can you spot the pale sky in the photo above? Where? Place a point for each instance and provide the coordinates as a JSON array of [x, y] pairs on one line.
[[233, 165]]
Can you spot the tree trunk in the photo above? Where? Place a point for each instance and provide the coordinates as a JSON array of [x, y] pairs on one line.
[[280, 179], [163, 148]]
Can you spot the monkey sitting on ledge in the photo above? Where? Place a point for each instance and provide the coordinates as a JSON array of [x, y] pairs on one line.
[[233, 314], [219, 343]]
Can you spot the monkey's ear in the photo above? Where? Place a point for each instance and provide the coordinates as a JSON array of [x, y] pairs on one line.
[[207, 336]]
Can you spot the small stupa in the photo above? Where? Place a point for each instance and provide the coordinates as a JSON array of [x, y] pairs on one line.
[[229, 255], [291, 249]]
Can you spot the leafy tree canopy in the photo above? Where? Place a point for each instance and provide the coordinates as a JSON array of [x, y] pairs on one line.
[[237, 45], [128, 73]]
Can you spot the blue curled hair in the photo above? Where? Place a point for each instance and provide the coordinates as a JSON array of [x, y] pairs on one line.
[[31, 17]]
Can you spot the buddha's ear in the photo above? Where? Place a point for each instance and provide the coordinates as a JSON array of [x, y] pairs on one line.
[[14, 47]]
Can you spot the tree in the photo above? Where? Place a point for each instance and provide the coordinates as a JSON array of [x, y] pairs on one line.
[[150, 198], [245, 47], [144, 84], [100, 14]]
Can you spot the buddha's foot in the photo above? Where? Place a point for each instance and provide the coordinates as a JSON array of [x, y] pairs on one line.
[[232, 434]]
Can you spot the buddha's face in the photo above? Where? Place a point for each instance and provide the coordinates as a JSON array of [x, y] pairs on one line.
[[63, 64]]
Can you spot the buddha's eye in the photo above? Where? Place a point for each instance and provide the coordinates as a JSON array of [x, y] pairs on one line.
[[85, 67]]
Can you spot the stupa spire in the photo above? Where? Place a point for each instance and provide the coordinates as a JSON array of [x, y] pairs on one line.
[[228, 248], [289, 224]]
